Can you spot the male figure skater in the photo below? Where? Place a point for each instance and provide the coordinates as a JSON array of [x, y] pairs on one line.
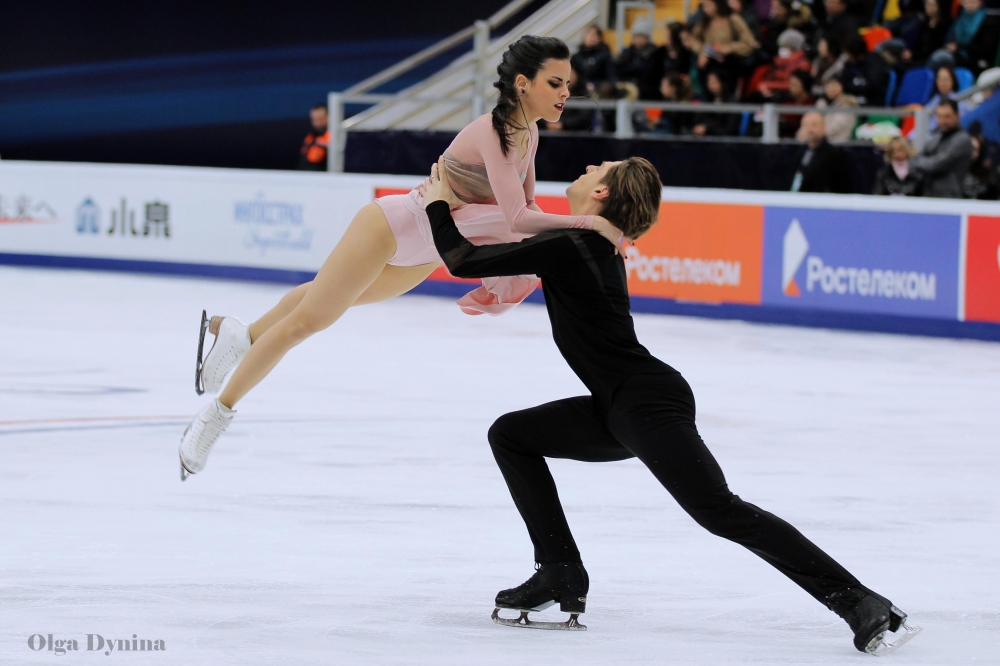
[[638, 407]]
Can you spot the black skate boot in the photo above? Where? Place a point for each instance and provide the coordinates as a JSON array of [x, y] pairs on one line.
[[870, 616], [564, 582]]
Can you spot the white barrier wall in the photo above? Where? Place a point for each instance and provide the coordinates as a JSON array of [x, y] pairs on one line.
[[849, 256]]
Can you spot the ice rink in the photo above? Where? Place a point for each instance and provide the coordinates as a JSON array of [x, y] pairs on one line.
[[353, 513]]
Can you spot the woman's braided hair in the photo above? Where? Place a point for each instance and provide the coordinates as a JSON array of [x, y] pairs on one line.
[[525, 56]]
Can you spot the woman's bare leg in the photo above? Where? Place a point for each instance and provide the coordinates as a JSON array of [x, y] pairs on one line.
[[393, 281], [356, 262]]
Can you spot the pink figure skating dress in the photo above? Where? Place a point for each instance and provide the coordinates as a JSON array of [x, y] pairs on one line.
[[499, 192]]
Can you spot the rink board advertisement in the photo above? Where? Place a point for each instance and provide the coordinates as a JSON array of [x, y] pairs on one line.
[[862, 261], [869, 263], [982, 270]]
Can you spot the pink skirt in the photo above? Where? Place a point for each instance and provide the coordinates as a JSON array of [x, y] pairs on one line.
[[481, 224]]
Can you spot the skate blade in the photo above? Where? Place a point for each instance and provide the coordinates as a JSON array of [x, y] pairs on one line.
[[572, 624], [198, 388], [884, 647]]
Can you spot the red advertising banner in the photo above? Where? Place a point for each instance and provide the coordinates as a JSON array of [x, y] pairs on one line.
[[982, 270]]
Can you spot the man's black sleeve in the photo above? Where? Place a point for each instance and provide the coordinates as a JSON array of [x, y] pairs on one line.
[[531, 256]]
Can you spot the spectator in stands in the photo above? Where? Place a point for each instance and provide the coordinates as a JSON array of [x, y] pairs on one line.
[[634, 63], [965, 41], [673, 57], [745, 10], [908, 25], [673, 88], [934, 26], [784, 15], [775, 81], [718, 90], [822, 167], [573, 119], [839, 126], [798, 94], [312, 156], [896, 178], [981, 182], [721, 38], [593, 62], [945, 87], [945, 159], [866, 75], [838, 24], [828, 64]]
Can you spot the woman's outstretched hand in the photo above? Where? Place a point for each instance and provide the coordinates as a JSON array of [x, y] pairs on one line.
[[614, 235], [437, 187]]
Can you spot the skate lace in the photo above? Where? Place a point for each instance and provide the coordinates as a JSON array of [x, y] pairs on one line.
[[207, 433]]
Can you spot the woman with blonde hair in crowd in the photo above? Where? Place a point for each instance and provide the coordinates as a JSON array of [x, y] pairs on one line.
[[896, 178]]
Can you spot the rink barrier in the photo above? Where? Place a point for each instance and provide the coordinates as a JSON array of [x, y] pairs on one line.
[[918, 266]]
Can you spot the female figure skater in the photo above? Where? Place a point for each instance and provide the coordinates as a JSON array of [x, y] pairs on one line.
[[388, 249], [638, 407]]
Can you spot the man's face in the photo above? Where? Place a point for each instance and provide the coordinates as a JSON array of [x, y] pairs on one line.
[[640, 41], [579, 191], [834, 7], [813, 128], [318, 118], [947, 119]]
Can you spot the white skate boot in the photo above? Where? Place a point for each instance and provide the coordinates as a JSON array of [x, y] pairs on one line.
[[232, 341], [201, 435]]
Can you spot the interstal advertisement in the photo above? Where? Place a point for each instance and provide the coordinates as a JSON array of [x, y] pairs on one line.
[[919, 265], [862, 261], [982, 264]]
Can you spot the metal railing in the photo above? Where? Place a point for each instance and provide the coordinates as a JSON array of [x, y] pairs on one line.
[[769, 114]]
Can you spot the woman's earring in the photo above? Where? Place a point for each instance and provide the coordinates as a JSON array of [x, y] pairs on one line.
[[522, 91]]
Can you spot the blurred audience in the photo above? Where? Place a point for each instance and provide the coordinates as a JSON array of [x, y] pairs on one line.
[[822, 167], [945, 159], [722, 39], [966, 41], [934, 26], [839, 126], [838, 24], [635, 63], [784, 14], [981, 182], [718, 90], [673, 88], [828, 64], [312, 155], [593, 63], [774, 79], [896, 178]]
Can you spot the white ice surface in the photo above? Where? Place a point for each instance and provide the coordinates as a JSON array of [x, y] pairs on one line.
[[353, 513]]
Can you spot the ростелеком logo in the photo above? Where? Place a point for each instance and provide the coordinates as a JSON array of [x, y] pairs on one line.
[[795, 250]]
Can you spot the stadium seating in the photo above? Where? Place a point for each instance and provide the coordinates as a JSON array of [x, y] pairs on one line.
[[916, 87]]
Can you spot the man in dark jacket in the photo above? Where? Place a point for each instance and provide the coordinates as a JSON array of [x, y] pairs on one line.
[[945, 159], [822, 167]]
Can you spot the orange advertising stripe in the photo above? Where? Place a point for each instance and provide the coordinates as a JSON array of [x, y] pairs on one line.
[[709, 253]]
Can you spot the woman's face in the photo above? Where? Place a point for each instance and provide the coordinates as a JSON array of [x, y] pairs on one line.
[[944, 82], [971, 6], [735, 5], [931, 8], [778, 10], [667, 90], [795, 88], [823, 48], [544, 95], [898, 153], [708, 6], [833, 88], [714, 84], [591, 38]]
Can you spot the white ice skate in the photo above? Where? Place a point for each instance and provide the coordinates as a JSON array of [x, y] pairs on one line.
[[201, 435], [232, 342]]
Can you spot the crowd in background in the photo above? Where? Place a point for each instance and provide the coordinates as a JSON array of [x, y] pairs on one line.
[[828, 54]]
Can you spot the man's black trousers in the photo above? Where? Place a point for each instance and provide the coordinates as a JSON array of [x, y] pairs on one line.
[[651, 418]]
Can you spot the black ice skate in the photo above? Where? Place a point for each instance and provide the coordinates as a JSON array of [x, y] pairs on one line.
[[870, 616], [563, 582]]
